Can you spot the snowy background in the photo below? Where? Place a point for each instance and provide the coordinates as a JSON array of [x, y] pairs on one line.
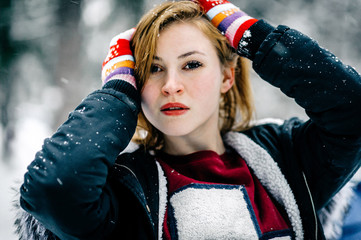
[[51, 54]]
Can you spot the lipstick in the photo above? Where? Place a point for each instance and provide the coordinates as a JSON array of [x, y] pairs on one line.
[[174, 109]]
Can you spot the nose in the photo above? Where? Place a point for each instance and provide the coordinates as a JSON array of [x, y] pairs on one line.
[[172, 85]]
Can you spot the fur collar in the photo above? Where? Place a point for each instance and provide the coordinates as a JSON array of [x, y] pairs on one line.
[[332, 216], [27, 227]]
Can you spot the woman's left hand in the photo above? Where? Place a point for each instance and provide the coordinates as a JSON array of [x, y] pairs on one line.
[[229, 19]]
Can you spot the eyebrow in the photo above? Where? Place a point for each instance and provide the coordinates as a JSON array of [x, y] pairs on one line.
[[190, 53], [183, 55]]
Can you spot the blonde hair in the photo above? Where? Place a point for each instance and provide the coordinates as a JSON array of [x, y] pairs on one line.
[[144, 43]]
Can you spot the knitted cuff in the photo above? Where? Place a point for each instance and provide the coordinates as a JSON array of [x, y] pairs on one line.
[[124, 87], [228, 18], [253, 38]]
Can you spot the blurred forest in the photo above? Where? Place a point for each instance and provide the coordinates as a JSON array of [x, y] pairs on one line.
[[51, 54]]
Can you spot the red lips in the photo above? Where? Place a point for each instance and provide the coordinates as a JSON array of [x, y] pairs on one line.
[[174, 109]]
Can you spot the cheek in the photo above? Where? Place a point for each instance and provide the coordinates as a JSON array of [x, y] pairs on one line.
[[148, 96], [208, 84], [206, 93]]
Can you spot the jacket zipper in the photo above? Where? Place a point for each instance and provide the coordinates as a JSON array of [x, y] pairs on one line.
[[313, 205]]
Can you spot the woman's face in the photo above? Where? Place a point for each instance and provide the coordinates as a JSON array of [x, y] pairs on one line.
[[181, 96]]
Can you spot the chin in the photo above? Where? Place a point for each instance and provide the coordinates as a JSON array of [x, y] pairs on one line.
[[173, 131]]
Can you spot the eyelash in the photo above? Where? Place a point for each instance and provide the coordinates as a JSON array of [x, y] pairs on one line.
[[195, 64], [189, 66], [155, 68]]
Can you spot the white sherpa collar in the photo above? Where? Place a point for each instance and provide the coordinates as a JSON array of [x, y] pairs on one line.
[[269, 174], [163, 192]]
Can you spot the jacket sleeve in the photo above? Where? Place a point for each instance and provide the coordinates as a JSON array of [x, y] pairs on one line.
[[328, 146], [65, 186]]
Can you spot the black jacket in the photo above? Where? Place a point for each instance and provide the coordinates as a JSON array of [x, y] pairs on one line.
[[79, 188]]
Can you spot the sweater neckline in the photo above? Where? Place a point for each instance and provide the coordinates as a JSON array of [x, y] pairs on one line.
[[193, 157]]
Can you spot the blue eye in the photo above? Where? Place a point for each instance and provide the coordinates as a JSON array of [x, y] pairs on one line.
[[193, 65], [155, 69]]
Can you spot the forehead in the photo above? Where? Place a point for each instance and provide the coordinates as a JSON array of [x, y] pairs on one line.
[[183, 36]]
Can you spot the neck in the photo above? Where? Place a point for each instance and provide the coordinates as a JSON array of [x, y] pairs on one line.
[[184, 145]]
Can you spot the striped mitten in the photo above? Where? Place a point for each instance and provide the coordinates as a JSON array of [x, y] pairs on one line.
[[228, 18], [119, 63]]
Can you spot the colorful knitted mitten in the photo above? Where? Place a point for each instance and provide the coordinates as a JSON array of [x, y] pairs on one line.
[[119, 63], [228, 18]]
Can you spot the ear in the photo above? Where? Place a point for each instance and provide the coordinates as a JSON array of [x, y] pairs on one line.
[[228, 79]]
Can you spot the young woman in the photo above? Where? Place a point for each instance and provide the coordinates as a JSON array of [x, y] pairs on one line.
[[202, 169]]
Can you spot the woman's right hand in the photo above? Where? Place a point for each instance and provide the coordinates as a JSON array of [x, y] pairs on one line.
[[119, 63]]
